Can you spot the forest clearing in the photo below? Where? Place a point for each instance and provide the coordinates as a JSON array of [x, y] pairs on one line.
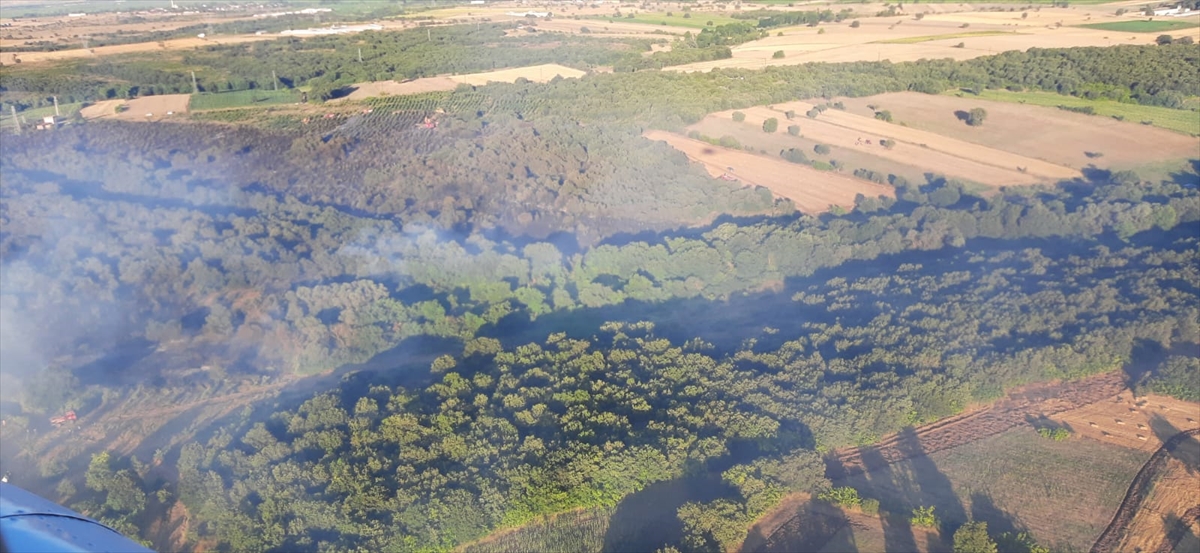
[[811, 190], [1064, 138]]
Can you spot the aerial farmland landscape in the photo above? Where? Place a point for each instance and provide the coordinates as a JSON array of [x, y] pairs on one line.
[[522, 276]]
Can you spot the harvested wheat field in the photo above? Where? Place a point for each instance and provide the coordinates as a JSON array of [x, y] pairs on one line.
[[394, 88], [811, 190], [773, 143], [537, 73], [937, 35], [1062, 137], [604, 28], [934, 141], [935, 153], [1137, 423], [145, 108], [1163, 519]]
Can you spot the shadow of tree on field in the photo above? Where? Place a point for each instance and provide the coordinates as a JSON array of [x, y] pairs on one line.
[[934, 488], [897, 530], [1187, 448], [648, 520], [997, 519], [814, 526]]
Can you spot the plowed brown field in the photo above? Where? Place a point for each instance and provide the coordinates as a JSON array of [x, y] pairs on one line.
[[811, 190]]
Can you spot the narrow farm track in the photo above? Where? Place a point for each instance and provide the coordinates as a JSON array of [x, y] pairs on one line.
[[1110, 538], [965, 428]]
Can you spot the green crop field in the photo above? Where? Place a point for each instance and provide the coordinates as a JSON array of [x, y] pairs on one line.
[[241, 98], [1179, 120], [698, 20], [927, 38], [1146, 26]]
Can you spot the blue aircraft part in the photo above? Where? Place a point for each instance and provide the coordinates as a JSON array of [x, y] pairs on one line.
[[31, 524]]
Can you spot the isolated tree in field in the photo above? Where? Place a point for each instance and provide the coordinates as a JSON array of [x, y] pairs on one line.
[[822, 149], [794, 130], [771, 125], [790, 114], [1164, 40], [976, 116], [739, 116], [855, 24], [778, 54], [1185, 40], [813, 113], [972, 537], [884, 115]]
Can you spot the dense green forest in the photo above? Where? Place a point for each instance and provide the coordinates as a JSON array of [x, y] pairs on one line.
[[502, 435], [596, 314]]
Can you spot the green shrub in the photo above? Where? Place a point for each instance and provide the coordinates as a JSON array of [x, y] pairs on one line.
[[923, 517], [844, 496], [739, 116]]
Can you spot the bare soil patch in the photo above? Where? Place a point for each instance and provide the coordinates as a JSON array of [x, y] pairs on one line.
[[1062, 138], [811, 190], [145, 108]]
